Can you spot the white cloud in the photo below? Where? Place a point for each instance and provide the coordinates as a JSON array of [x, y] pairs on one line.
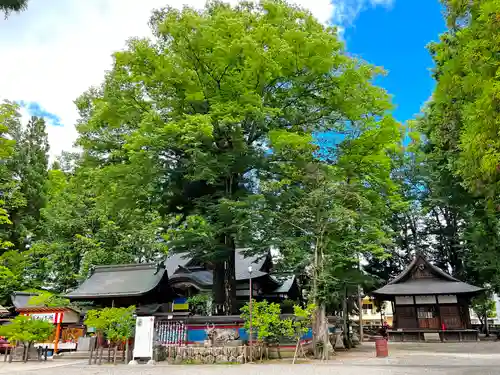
[[57, 49]]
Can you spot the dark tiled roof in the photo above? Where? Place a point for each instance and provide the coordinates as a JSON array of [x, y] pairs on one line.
[[137, 279], [441, 283], [201, 279], [427, 287], [286, 285], [242, 263], [420, 259], [21, 299], [120, 280], [174, 261]]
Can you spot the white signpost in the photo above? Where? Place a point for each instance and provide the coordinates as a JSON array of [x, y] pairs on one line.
[[144, 336]]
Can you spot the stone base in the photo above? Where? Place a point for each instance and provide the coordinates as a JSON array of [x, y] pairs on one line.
[[234, 343], [151, 362], [339, 342], [431, 337], [133, 362]]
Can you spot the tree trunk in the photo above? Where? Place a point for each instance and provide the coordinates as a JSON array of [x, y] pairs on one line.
[[230, 279], [26, 352], [218, 287], [345, 317], [91, 352], [320, 333], [127, 350], [317, 313], [486, 326], [296, 351], [224, 279], [323, 333], [115, 350]]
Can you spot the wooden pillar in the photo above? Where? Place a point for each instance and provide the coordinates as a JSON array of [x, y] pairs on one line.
[[438, 307], [438, 310], [394, 317], [466, 323], [416, 311], [58, 335]]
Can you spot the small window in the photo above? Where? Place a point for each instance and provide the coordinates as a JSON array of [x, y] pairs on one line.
[[426, 312]]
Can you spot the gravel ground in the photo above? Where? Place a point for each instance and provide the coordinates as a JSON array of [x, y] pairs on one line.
[[434, 359]]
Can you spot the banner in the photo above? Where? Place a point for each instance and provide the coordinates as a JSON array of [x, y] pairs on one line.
[[50, 317], [144, 335]]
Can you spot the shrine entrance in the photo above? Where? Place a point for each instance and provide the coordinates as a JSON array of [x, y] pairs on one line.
[[428, 317]]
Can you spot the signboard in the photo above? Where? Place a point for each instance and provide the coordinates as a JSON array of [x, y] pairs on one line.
[[49, 317], [144, 336], [447, 299], [404, 300], [425, 300]]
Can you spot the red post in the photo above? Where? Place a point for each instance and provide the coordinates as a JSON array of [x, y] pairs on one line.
[[58, 334]]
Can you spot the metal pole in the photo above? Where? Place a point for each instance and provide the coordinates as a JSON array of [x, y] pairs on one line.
[[250, 330], [360, 302]]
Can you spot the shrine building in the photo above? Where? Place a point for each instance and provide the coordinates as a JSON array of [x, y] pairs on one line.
[[429, 304]]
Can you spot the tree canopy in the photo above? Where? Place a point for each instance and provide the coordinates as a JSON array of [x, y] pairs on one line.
[[9, 6], [195, 119]]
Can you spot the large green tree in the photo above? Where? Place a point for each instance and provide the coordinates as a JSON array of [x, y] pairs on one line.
[[28, 167], [6, 150], [466, 91], [185, 119], [328, 214], [32, 170], [11, 197], [80, 231], [458, 173]]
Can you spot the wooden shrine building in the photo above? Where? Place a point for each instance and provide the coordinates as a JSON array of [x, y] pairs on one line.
[[123, 285], [429, 304], [164, 288], [67, 321]]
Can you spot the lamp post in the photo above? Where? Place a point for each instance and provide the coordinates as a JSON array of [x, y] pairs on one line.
[[250, 312]]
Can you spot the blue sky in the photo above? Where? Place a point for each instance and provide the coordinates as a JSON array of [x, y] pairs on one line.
[[395, 38], [35, 109]]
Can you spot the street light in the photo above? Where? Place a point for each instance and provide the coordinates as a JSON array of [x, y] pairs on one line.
[[250, 309]]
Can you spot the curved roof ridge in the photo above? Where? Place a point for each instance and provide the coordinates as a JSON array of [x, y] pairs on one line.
[[120, 267], [413, 263]]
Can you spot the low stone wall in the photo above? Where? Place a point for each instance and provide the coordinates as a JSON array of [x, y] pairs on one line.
[[200, 355], [228, 354], [193, 330]]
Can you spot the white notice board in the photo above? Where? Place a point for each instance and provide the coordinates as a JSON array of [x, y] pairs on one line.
[[144, 335]]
